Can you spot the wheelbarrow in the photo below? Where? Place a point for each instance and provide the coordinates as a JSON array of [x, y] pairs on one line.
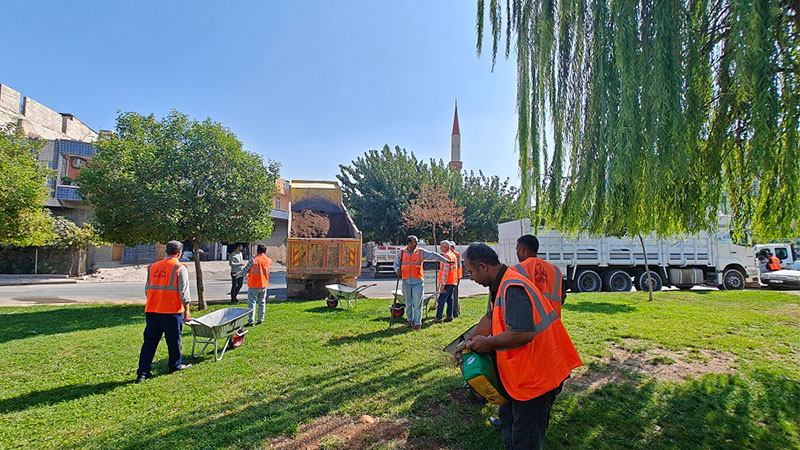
[[347, 294], [225, 324], [398, 306]]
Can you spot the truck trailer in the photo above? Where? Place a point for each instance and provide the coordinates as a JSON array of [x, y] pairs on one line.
[[591, 264], [324, 244]]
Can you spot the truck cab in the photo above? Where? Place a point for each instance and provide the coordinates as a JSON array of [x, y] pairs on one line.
[[787, 253]]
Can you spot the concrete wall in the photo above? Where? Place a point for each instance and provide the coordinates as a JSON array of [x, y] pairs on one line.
[[40, 121]]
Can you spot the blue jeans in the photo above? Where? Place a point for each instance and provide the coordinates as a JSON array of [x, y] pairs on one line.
[[412, 293], [446, 297], [257, 299], [156, 324]]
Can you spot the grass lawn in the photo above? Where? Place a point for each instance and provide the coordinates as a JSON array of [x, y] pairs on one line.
[[66, 377]]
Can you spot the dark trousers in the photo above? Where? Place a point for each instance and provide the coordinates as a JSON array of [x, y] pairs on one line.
[[456, 303], [446, 298], [236, 285], [156, 324], [525, 423]]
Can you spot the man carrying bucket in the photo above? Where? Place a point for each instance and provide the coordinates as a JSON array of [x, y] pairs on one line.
[[168, 298], [533, 352], [408, 266]]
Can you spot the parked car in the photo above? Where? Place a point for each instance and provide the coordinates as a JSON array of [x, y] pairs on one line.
[[788, 278]]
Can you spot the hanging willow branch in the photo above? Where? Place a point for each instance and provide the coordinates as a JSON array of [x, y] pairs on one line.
[[664, 113]]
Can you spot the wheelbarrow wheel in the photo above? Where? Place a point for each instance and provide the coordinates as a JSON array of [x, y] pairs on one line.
[[398, 310], [333, 303], [236, 340]]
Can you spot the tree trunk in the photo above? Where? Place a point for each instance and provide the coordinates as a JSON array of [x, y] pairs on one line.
[[647, 270], [201, 300], [71, 261], [434, 235]]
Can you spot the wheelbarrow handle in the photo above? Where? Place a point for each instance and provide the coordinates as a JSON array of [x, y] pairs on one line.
[[364, 286]]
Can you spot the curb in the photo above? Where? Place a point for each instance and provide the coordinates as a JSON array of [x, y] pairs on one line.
[[33, 282]]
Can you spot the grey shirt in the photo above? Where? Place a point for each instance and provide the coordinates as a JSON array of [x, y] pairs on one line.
[[426, 256], [518, 310], [236, 261]]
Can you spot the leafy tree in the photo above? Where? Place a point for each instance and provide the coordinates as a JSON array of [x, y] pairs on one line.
[[178, 178], [658, 109], [24, 220], [76, 240], [433, 208], [377, 188]]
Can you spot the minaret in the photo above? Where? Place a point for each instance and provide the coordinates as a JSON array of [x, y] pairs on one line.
[[455, 143]]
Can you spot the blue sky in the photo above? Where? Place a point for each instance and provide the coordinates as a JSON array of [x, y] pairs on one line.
[[310, 84]]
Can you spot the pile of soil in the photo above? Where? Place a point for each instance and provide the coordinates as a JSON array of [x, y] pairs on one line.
[[317, 224]]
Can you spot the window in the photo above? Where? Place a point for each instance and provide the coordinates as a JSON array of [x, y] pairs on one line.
[[782, 253], [277, 203]]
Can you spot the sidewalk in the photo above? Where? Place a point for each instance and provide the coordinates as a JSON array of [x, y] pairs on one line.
[[27, 279]]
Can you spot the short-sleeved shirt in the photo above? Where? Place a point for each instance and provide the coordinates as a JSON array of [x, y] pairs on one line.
[[519, 309]]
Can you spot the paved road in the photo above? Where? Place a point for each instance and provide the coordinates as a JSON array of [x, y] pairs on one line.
[[216, 291]]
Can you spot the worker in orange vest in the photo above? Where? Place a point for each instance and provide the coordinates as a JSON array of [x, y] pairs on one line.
[[408, 266], [257, 270], [448, 277], [459, 275], [773, 263], [534, 354], [167, 307], [544, 275]]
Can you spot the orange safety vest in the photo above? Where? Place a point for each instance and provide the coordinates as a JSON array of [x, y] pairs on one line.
[[411, 264], [452, 274], [543, 363], [258, 276], [773, 263], [460, 262], [162, 287], [546, 277]]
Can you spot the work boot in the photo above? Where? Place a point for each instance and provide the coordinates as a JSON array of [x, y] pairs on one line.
[[436, 320], [417, 327], [496, 422], [140, 379], [249, 324], [448, 319]]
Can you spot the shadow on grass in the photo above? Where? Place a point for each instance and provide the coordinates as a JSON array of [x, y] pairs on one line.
[[598, 307], [713, 411], [247, 422], [21, 325], [56, 395], [377, 334]]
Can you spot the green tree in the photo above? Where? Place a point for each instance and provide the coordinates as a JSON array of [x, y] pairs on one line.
[[377, 188], [75, 240], [658, 109], [24, 220], [178, 178]]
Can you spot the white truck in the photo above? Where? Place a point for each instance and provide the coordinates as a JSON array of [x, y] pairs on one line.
[[380, 258], [787, 253], [591, 264]]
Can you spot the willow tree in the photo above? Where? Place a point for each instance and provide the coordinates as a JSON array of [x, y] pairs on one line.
[[661, 112]]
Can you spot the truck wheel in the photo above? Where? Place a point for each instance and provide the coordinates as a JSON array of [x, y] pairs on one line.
[[617, 281], [588, 281], [641, 281], [733, 280]]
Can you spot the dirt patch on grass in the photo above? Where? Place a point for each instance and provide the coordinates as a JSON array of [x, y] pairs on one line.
[[634, 358], [346, 433]]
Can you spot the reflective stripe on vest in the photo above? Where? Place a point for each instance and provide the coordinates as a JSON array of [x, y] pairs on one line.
[[163, 298], [552, 293], [543, 363], [411, 264], [773, 263], [452, 272]]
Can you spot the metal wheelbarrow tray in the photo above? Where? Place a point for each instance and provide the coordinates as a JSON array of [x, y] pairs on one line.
[[226, 323], [345, 294]]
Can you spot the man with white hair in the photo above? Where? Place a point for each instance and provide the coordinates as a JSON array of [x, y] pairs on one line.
[[448, 274]]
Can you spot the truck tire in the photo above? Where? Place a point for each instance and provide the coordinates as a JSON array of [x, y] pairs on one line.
[[617, 281], [641, 281], [733, 280], [588, 281]]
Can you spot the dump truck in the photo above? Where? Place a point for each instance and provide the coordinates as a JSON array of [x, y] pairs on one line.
[[591, 264], [324, 244]]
